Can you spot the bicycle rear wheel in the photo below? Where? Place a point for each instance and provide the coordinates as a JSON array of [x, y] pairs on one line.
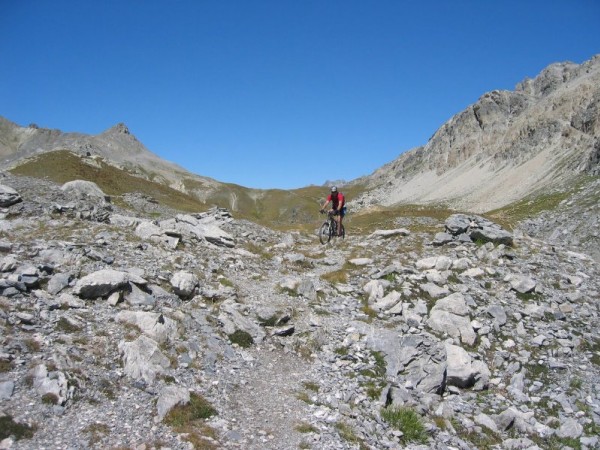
[[324, 233]]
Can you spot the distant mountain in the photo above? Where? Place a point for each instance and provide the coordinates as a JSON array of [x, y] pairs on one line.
[[119, 163], [506, 146]]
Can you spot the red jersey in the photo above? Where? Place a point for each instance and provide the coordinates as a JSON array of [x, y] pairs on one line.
[[337, 200]]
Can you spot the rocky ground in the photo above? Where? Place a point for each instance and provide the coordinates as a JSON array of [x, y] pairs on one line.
[[143, 328]]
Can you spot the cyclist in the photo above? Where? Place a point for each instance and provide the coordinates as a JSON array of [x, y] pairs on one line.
[[338, 203]]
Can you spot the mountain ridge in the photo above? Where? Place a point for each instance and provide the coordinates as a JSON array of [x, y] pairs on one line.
[[506, 146], [542, 134]]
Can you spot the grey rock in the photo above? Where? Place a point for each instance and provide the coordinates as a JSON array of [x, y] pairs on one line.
[[498, 313], [142, 359], [58, 282], [100, 283], [306, 289], [8, 196], [82, 189], [157, 326], [6, 389], [169, 397], [390, 233], [570, 428], [521, 283], [464, 372], [184, 284]]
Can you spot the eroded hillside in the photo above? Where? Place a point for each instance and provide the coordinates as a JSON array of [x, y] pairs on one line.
[[505, 147]]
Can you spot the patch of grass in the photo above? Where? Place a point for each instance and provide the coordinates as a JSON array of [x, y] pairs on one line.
[[62, 166], [304, 397], [377, 373], [342, 351], [241, 338], [258, 250], [366, 308], [336, 277], [66, 326], [188, 420], [197, 409], [528, 296], [50, 399], [576, 383], [347, 433], [107, 388], [407, 421], [453, 278], [306, 428], [5, 366], [8, 428], [288, 291], [33, 345], [310, 386], [97, 431], [226, 282], [530, 206]]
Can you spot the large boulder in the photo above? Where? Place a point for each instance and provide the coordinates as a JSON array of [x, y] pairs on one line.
[[421, 364], [450, 316], [8, 196], [85, 190], [184, 284], [51, 384], [232, 320], [142, 359], [101, 283], [154, 325], [463, 371], [465, 228]]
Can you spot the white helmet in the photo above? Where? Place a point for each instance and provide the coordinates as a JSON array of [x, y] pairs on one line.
[[334, 189]]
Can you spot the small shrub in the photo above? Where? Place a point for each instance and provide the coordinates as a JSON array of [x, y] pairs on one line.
[[33, 345], [347, 433], [342, 351], [226, 282], [336, 277], [270, 321], [97, 431], [310, 386], [407, 421], [241, 338], [306, 428], [528, 296], [576, 383], [50, 399], [197, 409], [8, 428], [5, 366], [66, 326], [304, 397]]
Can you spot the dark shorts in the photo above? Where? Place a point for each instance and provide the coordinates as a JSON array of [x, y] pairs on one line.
[[341, 212]]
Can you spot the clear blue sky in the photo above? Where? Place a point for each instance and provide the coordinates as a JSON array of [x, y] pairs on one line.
[[281, 93]]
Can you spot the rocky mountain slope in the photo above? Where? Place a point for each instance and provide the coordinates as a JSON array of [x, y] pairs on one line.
[[506, 146], [118, 330], [509, 145]]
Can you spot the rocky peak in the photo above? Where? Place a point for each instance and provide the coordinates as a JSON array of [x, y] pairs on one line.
[[119, 128]]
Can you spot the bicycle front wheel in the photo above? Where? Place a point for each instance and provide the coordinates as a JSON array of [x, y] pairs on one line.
[[324, 233]]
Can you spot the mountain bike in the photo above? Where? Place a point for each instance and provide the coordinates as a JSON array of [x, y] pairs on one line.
[[329, 228]]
